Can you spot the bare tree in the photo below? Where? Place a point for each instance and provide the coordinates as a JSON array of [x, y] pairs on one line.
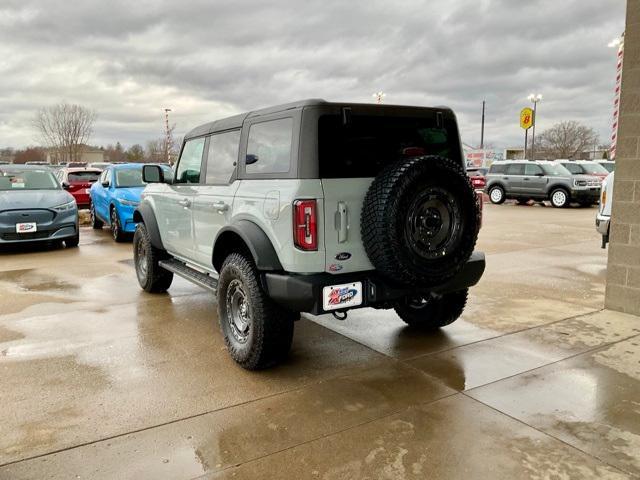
[[65, 129], [567, 140]]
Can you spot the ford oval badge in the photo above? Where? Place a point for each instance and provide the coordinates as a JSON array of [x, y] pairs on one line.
[[343, 256]]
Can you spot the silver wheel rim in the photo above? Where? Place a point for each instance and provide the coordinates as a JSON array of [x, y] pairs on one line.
[[496, 195], [559, 198], [141, 260], [238, 311]]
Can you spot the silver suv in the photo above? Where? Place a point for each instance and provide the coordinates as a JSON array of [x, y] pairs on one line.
[[524, 180], [314, 207]]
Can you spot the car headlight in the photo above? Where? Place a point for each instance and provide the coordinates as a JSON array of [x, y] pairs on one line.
[[579, 183], [129, 203], [65, 207]]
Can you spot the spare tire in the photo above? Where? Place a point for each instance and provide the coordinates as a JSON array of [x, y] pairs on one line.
[[420, 220]]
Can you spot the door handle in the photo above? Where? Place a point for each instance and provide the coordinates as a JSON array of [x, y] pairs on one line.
[[221, 206], [343, 230], [185, 202]]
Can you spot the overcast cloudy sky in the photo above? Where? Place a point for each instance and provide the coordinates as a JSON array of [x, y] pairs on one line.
[[208, 59]]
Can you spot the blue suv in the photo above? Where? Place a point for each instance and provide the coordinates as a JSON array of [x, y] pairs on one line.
[[115, 196]]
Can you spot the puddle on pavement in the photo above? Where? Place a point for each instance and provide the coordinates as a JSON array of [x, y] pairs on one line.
[[30, 280]]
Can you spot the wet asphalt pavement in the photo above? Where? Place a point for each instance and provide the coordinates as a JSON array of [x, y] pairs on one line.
[[103, 381]]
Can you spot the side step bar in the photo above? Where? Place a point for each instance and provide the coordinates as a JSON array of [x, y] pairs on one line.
[[191, 274]]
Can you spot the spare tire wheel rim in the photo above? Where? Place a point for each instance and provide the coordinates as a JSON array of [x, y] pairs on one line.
[[433, 223], [496, 195], [238, 312]]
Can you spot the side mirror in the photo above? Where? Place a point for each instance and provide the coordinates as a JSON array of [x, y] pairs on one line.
[[540, 174], [105, 184], [152, 174], [65, 185], [251, 159]]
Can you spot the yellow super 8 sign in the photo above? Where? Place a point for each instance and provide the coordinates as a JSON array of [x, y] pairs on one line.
[[526, 118]]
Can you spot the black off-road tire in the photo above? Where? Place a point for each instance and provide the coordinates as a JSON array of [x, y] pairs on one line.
[[396, 215], [269, 327], [493, 198], [432, 313], [116, 229], [96, 223], [151, 276], [72, 242]]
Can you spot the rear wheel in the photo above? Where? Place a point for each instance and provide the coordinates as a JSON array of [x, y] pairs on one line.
[[151, 276], [96, 223], [432, 312], [496, 195], [258, 332], [559, 198]]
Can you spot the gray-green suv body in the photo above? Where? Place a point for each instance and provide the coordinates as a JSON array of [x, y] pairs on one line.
[[314, 207], [524, 180]]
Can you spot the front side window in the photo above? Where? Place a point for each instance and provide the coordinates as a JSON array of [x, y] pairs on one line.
[[190, 162], [269, 146], [532, 170], [222, 157], [497, 168], [28, 180], [574, 168]]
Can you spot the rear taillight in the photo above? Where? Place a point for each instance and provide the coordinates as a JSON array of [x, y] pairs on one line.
[[305, 224]]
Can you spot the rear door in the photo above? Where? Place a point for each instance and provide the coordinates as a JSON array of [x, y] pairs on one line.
[[213, 201], [513, 178]]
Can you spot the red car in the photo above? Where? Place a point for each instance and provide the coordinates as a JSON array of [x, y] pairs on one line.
[[477, 177], [78, 181]]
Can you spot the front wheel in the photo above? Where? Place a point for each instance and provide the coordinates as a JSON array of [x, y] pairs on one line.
[[559, 198], [432, 312], [151, 276], [116, 229], [72, 242], [258, 332], [496, 195]]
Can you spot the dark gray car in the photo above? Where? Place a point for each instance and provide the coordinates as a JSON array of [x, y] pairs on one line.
[[34, 207], [540, 180]]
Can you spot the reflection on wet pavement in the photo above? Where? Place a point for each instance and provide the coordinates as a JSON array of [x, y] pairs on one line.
[[100, 380]]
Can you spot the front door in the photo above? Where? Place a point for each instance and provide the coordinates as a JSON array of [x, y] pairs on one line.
[[175, 205], [213, 202]]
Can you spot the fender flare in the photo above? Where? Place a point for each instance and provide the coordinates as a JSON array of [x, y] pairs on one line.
[[556, 186], [144, 213], [259, 245]]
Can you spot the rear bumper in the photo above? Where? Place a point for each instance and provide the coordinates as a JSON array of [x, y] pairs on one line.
[[303, 293]]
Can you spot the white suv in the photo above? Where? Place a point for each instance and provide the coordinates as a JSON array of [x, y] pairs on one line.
[[314, 207]]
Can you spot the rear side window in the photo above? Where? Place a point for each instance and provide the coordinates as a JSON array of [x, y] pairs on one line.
[[190, 162], [269, 146], [515, 169], [370, 142], [497, 168], [222, 156]]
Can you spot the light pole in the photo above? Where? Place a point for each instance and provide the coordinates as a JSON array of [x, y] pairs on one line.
[[482, 128], [379, 96], [534, 98], [167, 141]]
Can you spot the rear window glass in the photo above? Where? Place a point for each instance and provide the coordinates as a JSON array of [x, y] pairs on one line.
[[497, 168], [83, 176], [574, 168], [515, 169], [368, 143], [269, 146]]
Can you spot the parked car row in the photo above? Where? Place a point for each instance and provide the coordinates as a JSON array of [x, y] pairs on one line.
[[539, 180]]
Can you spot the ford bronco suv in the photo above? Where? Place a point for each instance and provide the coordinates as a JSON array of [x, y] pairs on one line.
[[314, 207]]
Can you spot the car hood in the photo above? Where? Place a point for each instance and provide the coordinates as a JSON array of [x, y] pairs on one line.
[[20, 199], [129, 193]]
